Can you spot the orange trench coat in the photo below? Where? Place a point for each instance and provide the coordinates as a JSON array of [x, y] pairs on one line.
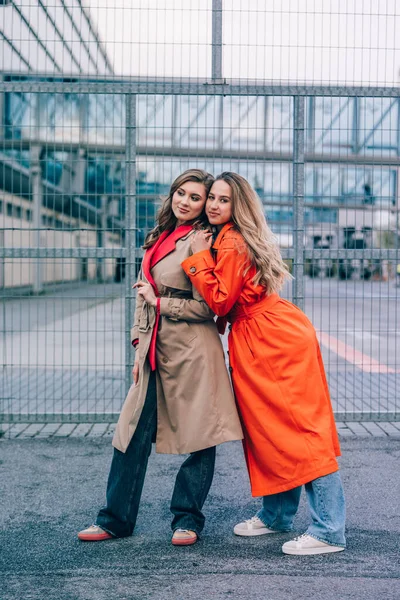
[[277, 371]]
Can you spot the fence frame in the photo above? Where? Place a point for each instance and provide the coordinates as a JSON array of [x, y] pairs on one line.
[[131, 88]]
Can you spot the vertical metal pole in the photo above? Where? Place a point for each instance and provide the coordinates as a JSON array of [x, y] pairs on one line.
[[2, 266], [398, 127], [298, 199], [37, 193], [2, 111], [130, 230], [397, 209], [216, 68], [356, 125], [84, 117], [265, 117], [311, 124], [220, 131]]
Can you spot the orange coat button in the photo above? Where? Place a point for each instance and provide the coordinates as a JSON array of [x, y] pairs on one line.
[[192, 269]]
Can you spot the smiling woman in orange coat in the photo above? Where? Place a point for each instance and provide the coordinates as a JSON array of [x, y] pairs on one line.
[[277, 371]]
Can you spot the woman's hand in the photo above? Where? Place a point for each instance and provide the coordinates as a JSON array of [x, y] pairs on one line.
[[135, 370], [201, 240], [146, 291]]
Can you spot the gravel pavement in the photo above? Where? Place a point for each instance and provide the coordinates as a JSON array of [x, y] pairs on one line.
[[50, 488]]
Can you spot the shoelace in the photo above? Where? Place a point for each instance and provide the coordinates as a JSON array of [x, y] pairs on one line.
[[300, 537], [252, 520], [182, 530]]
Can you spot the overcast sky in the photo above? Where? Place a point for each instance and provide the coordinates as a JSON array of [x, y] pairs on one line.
[[315, 41]]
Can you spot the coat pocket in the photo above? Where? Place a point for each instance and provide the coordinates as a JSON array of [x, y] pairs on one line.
[[247, 344], [189, 332]]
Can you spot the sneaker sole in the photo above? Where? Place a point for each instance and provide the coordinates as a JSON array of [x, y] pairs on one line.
[[253, 532], [312, 551], [95, 538], [184, 541]]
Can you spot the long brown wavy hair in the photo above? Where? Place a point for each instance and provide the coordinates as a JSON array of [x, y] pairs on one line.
[[262, 245], [166, 219]]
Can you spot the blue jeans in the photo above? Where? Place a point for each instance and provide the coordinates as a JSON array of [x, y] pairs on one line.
[[327, 507], [128, 470]]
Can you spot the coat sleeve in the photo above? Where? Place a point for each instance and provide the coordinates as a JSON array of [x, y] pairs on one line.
[[182, 309], [218, 282], [138, 312]]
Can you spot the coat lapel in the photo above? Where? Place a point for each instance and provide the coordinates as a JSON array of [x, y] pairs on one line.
[[147, 259], [165, 244], [169, 243]]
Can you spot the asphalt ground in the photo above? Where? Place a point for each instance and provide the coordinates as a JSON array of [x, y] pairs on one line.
[[51, 488]]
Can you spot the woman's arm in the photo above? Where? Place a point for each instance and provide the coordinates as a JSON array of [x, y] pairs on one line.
[[177, 309], [219, 283], [182, 309]]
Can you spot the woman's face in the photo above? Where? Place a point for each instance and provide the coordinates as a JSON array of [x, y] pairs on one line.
[[219, 203], [188, 201]]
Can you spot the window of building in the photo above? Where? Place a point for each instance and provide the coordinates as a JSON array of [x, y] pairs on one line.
[[1, 206], [9, 209], [18, 212], [47, 221], [28, 215]]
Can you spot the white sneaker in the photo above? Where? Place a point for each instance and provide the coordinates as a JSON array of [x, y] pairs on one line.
[[253, 526], [306, 545]]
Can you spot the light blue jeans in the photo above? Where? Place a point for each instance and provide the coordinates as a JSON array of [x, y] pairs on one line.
[[327, 507]]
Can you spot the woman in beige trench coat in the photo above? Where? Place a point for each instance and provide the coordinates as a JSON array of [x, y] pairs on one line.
[[181, 397]]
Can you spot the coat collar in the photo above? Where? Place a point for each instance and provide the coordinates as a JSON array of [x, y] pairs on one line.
[[165, 244], [221, 234]]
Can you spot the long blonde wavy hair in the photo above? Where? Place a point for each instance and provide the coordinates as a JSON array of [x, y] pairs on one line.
[[262, 245], [166, 219]]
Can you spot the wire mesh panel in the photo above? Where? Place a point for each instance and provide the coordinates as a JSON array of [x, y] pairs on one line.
[[62, 176], [351, 234], [102, 106]]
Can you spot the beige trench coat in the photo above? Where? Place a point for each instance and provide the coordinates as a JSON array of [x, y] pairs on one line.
[[195, 404]]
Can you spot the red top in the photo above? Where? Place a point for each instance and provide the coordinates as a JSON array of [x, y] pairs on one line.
[[160, 249]]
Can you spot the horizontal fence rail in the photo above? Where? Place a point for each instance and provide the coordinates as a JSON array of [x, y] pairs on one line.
[[42, 83], [368, 254]]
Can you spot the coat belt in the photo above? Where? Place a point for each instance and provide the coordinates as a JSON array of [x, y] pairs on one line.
[[148, 315], [241, 311]]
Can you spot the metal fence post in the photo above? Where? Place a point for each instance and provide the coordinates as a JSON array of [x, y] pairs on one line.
[[216, 68], [298, 199], [130, 229], [2, 112]]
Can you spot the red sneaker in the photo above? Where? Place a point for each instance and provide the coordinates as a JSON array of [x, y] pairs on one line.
[[94, 533], [184, 537]]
